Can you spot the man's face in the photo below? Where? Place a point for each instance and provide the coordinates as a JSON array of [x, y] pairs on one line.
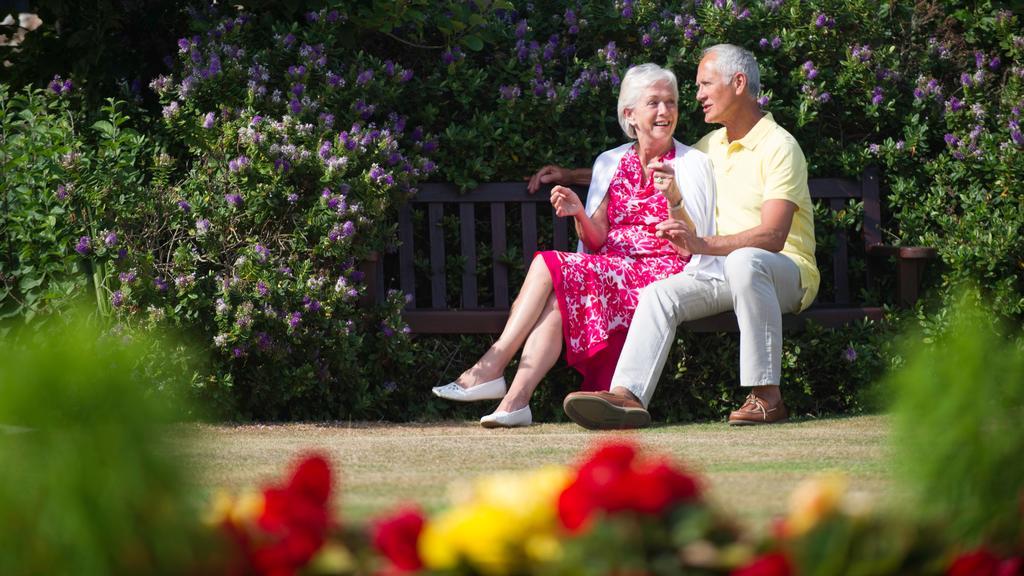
[[718, 96]]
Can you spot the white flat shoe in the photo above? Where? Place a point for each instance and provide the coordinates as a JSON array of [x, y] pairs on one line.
[[503, 419], [492, 390]]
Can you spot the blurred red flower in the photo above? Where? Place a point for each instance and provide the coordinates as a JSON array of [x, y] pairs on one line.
[[396, 537], [293, 524], [771, 564], [614, 480], [984, 562]]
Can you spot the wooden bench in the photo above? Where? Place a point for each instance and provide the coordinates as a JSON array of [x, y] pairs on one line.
[[434, 315]]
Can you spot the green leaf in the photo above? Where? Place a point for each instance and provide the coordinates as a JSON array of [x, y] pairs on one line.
[[105, 128], [473, 42]]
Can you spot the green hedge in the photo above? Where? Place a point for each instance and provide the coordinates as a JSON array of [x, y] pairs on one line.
[[239, 207]]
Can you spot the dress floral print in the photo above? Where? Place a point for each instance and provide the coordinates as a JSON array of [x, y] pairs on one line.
[[597, 293]]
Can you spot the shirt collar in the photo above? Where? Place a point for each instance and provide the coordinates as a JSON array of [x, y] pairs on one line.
[[754, 136], [758, 132]]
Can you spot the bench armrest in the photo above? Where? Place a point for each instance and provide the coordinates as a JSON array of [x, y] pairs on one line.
[[910, 263]]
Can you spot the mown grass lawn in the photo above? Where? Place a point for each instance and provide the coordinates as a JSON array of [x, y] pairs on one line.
[[749, 471]]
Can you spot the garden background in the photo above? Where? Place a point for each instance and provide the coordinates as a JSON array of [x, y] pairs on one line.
[[222, 172]]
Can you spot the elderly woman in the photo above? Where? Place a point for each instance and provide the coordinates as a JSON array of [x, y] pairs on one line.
[[588, 297]]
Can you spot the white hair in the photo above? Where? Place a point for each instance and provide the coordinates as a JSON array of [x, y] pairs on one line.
[[730, 60], [638, 79]]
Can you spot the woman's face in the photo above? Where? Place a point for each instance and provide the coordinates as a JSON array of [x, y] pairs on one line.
[[656, 113]]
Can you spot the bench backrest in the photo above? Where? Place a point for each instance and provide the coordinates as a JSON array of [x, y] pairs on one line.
[[434, 314]]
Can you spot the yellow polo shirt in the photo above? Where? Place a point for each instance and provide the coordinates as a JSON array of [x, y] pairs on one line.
[[765, 164]]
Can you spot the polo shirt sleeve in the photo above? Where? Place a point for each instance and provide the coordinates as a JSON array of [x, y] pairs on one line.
[[785, 176]]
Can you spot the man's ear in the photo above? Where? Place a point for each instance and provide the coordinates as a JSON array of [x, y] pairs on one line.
[[740, 79]]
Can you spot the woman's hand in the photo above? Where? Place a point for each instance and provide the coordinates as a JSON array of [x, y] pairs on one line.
[[566, 202], [664, 177]]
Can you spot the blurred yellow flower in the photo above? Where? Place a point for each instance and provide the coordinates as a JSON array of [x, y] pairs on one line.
[[226, 508], [813, 500], [505, 522]]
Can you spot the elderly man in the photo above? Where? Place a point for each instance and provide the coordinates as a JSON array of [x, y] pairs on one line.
[[765, 238]]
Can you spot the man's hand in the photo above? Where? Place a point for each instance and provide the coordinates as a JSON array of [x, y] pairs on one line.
[[682, 236], [565, 201], [549, 174]]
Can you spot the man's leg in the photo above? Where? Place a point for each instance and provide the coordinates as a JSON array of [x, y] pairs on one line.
[[661, 307], [764, 286]]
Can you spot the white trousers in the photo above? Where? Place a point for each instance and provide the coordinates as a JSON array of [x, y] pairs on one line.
[[760, 286]]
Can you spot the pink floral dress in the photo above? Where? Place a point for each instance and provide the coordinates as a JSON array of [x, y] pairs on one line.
[[597, 293]]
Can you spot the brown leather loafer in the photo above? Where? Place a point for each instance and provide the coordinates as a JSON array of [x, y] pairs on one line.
[[605, 411], [757, 411]]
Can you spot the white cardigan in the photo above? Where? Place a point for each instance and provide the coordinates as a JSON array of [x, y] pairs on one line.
[[696, 180]]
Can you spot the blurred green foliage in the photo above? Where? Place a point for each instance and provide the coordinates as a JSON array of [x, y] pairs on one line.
[[88, 485], [957, 404]]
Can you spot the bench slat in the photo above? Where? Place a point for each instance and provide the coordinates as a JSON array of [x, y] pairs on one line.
[[499, 247], [840, 260], [467, 234], [529, 233], [406, 274], [492, 321], [438, 291], [561, 231]]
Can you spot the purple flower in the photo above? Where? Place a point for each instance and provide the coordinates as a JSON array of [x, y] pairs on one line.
[[430, 146], [238, 164], [387, 330], [294, 319], [261, 252], [954, 104], [776, 42], [744, 14], [825, 97], [521, 29], [185, 206], [994, 63], [918, 94], [823, 20], [646, 40], [59, 86], [160, 284], [348, 229], [127, 277], [110, 240], [234, 199], [966, 80], [951, 140], [311, 304], [874, 149], [979, 59], [763, 101], [62, 192], [293, 198], [763, 43], [203, 225], [298, 89], [288, 40], [809, 70], [237, 352], [850, 354], [877, 96], [406, 76], [84, 245], [295, 107], [364, 77], [117, 298], [264, 341], [627, 12], [262, 289]]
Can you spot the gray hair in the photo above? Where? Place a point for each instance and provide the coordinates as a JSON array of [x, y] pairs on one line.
[[731, 59], [637, 79]]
